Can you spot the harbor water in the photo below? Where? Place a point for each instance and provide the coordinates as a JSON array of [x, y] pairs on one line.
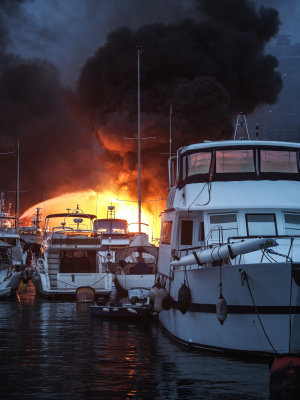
[[56, 349]]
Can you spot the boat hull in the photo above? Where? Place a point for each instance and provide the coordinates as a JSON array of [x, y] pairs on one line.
[[100, 283], [9, 282], [263, 317], [125, 282]]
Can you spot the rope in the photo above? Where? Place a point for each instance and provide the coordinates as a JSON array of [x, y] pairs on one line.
[[245, 279], [66, 283]]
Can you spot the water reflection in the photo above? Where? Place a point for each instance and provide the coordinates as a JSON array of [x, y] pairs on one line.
[[57, 349]]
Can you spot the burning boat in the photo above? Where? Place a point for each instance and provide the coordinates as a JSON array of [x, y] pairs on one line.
[[70, 257]]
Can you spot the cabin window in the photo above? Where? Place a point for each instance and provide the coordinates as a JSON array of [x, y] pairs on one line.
[[223, 226], [232, 161], [292, 224], [278, 161], [201, 237], [78, 261], [199, 163], [107, 226], [186, 232], [166, 232], [261, 225], [184, 167]]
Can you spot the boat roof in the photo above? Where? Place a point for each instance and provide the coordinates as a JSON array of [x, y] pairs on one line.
[[110, 219], [63, 215], [238, 143]]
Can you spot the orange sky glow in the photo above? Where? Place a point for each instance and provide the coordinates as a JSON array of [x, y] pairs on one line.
[[92, 202]]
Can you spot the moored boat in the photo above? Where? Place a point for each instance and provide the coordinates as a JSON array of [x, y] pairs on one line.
[[70, 258], [137, 265], [11, 256], [229, 254]]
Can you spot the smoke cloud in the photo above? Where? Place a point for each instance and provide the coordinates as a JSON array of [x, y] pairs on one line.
[[209, 67]]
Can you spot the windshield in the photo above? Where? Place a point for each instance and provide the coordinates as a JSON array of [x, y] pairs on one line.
[[110, 226]]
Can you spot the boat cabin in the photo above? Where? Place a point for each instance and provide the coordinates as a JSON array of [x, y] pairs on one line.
[[223, 192]]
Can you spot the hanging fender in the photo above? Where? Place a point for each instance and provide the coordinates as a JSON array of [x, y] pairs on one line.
[[154, 291], [184, 298], [161, 295], [168, 302], [221, 309]]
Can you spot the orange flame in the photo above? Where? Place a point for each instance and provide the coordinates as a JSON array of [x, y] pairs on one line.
[[92, 202]]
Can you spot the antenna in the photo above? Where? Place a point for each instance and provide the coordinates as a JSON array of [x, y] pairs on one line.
[[243, 124], [18, 185], [171, 112], [139, 49]]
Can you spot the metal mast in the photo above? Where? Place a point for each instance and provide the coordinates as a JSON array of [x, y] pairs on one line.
[[139, 49], [18, 185]]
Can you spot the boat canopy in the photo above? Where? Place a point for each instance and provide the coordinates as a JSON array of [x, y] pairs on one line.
[[140, 244], [63, 215]]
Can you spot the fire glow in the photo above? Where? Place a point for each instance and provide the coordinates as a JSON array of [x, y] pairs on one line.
[[92, 202]]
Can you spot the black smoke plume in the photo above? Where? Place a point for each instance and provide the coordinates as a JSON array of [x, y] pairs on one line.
[[209, 68]]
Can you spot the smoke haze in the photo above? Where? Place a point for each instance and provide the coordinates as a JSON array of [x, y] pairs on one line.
[[207, 61]]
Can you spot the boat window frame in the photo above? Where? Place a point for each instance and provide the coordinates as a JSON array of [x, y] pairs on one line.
[[209, 237], [237, 176], [285, 213], [191, 232], [260, 213], [168, 234]]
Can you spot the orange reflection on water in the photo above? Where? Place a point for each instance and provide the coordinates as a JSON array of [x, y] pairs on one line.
[[26, 293]]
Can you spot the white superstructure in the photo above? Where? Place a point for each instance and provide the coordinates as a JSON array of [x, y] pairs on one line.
[[11, 263], [225, 293], [70, 258]]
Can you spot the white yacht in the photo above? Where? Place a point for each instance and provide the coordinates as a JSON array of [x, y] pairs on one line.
[[229, 254], [113, 234], [70, 257], [11, 262]]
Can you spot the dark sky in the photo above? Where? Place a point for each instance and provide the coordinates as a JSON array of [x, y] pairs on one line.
[[68, 84]]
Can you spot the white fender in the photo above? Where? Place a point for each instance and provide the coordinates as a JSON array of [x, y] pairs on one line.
[[153, 293], [162, 294]]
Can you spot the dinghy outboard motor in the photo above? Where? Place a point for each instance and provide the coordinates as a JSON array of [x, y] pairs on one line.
[[184, 298]]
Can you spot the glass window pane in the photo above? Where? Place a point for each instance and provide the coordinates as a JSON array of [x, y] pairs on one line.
[[186, 232], [166, 232], [184, 167], [234, 161], [292, 224], [199, 163], [223, 226], [261, 224], [278, 161]]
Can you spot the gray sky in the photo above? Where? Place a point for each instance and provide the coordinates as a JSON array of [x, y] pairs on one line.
[[67, 32]]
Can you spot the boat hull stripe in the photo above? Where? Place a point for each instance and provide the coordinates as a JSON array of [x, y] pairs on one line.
[[239, 309]]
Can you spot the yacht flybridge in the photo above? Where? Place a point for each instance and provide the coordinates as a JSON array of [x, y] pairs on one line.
[[229, 257], [70, 257]]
